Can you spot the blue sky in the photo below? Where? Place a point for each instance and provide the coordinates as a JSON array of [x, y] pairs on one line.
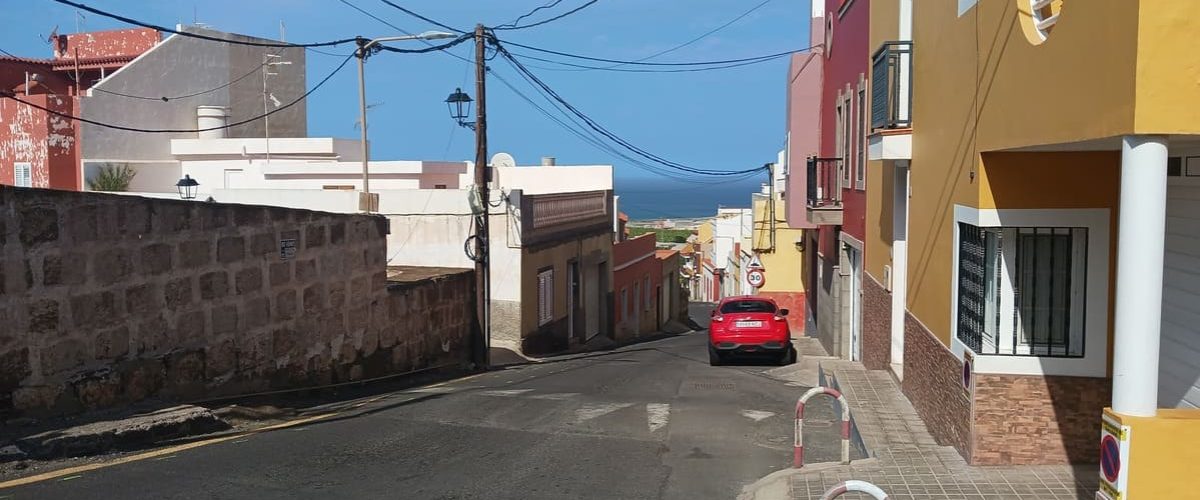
[[729, 119]]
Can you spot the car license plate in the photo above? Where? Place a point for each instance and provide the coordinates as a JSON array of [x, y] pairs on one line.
[[749, 324]]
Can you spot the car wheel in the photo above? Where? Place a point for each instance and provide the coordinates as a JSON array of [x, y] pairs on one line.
[[714, 357], [787, 357]]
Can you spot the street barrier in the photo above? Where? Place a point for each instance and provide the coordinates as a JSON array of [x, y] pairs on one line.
[[798, 455], [856, 486]]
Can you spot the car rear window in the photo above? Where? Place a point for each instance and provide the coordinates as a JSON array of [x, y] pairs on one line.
[[747, 306]]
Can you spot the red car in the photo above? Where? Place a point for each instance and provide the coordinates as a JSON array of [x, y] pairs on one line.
[[749, 325]]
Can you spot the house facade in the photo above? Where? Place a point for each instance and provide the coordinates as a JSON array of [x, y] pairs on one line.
[[637, 286], [1039, 260]]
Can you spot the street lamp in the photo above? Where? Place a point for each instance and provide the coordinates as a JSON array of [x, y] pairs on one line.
[[187, 187], [459, 105], [364, 50]]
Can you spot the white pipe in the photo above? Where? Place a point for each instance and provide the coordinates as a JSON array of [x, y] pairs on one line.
[[1140, 242]]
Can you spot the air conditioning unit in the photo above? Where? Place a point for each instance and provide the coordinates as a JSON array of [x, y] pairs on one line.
[[887, 277]]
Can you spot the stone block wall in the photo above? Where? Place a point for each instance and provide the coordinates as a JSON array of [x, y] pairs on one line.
[[108, 300], [1056, 419], [876, 324], [933, 383]]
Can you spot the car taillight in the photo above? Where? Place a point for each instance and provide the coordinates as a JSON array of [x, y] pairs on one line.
[[778, 318], [718, 318]]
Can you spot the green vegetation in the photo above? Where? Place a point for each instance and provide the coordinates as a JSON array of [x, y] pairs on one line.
[[112, 177], [662, 235]]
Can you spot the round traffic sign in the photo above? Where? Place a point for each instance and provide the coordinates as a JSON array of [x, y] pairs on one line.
[[1110, 458], [756, 277]]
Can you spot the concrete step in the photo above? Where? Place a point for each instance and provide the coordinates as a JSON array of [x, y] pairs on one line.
[[127, 433]]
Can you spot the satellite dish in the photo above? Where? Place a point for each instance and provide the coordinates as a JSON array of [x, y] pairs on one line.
[[503, 160]]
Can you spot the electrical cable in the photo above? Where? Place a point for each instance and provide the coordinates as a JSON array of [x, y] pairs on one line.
[[587, 4], [165, 29], [616, 67], [397, 28], [319, 84], [423, 18], [644, 63], [703, 36], [550, 5], [598, 143], [605, 132], [194, 94]]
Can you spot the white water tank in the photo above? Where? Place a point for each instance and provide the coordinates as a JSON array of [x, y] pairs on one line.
[[208, 117]]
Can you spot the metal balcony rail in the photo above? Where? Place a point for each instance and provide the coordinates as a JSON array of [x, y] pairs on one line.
[[824, 182], [891, 86]]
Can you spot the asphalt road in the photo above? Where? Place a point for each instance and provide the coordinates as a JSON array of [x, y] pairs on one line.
[[648, 421]]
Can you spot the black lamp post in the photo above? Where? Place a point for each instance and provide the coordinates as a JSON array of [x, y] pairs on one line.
[[459, 104], [187, 187]]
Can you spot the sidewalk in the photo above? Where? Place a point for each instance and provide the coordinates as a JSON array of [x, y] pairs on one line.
[[906, 462]]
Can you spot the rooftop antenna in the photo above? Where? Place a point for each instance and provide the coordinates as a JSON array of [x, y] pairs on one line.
[[282, 31], [79, 20]]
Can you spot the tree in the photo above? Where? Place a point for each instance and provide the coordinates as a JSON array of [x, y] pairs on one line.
[[112, 177]]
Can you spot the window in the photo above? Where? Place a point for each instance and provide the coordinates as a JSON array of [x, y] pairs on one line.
[[545, 282], [747, 306], [624, 303], [23, 174], [439, 186], [839, 131], [1021, 290], [633, 307], [646, 292], [860, 159], [847, 139]]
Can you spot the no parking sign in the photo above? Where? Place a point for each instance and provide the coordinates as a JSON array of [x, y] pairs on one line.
[[1114, 460]]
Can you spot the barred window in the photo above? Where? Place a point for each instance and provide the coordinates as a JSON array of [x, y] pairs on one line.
[[1021, 290], [545, 281]]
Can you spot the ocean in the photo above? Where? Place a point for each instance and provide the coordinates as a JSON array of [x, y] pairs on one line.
[[653, 198]]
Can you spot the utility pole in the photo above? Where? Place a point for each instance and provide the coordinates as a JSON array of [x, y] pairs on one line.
[[482, 253]]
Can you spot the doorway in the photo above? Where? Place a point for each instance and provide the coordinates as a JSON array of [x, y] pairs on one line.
[[572, 297], [855, 257], [591, 299]]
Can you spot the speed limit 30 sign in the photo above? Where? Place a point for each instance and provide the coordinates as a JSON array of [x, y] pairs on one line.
[[756, 277]]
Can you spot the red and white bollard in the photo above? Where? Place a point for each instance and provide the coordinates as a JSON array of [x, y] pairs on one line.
[[798, 452], [857, 486]]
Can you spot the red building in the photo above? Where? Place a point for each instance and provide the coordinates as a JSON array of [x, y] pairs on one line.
[[836, 187], [637, 275], [40, 149]]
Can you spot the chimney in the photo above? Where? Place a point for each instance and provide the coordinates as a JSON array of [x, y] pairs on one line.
[[547, 161]]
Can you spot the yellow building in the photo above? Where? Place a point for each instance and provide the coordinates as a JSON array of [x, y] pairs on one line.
[[1050, 158], [779, 249]]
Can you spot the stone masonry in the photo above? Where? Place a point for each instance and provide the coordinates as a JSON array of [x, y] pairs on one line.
[[108, 300]]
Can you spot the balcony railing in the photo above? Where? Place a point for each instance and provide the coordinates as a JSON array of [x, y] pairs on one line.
[[891, 84], [824, 183], [548, 217], [824, 191]]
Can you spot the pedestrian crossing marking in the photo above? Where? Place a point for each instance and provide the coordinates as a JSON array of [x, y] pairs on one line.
[[505, 392], [556, 396], [590, 411], [657, 415]]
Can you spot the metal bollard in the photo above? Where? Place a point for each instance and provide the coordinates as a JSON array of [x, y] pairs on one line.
[[798, 450], [857, 486]]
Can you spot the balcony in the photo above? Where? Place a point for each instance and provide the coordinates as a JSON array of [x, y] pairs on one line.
[[546, 218], [891, 102], [824, 191]]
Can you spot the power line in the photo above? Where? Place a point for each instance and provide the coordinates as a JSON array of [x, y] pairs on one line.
[[550, 5], [616, 67], [605, 132], [385, 22], [9, 95], [552, 19], [597, 142], [423, 18], [644, 63], [193, 94], [164, 29], [705, 35]]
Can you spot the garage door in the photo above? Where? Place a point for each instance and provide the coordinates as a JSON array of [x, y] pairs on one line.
[[1179, 367]]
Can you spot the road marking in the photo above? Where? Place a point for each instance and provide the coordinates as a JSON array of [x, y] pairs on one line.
[[431, 390], [68, 478], [757, 415], [556, 396], [504, 392], [152, 454], [657, 415], [591, 411], [168, 457]]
